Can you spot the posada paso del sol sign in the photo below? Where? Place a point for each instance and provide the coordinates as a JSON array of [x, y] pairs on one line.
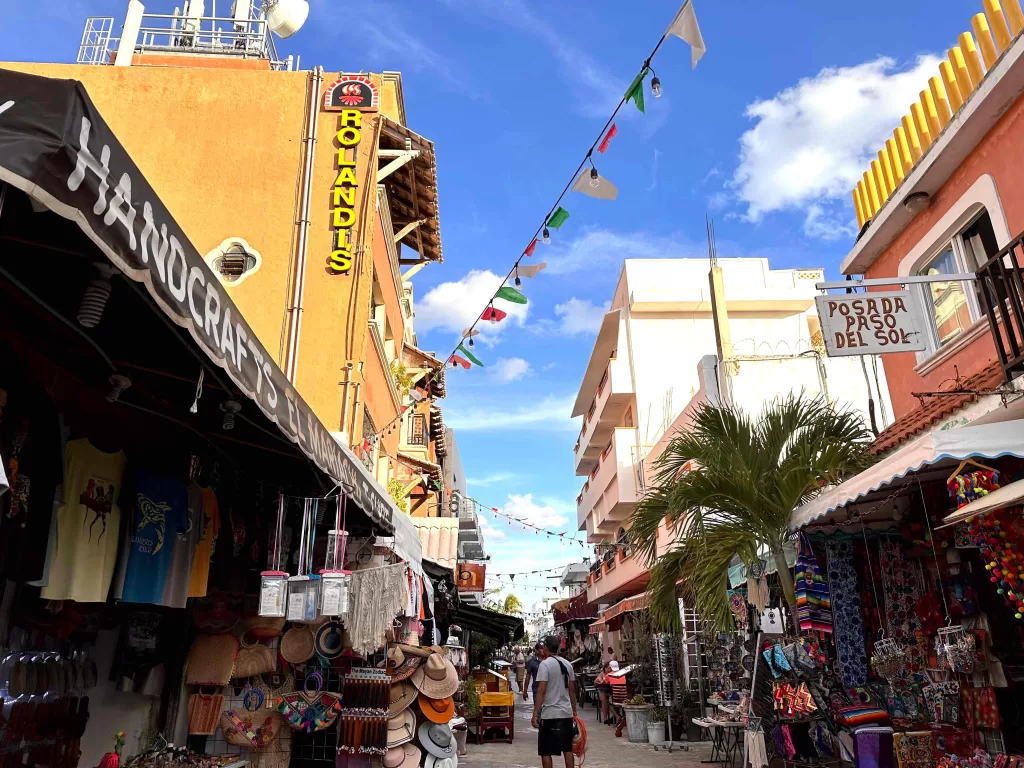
[[873, 323]]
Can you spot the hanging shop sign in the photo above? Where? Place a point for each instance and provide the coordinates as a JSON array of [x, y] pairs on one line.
[[470, 577], [352, 92], [874, 323], [55, 147], [343, 194]]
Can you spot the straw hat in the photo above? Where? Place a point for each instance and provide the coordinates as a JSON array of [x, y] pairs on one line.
[[298, 645], [401, 728], [330, 640], [438, 740], [400, 666], [436, 677], [405, 756], [437, 710], [403, 694]]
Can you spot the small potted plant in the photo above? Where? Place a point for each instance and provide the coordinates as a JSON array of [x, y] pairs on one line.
[[656, 726], [637, 714]]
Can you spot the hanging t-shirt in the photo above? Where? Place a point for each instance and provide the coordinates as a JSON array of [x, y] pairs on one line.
[[180, 572], [204, 549], [88, 525], [160, 514]]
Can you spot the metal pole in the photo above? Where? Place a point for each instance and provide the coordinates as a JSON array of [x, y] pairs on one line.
[[750, 701]]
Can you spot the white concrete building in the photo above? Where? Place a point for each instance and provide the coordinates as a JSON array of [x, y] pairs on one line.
[[657, 355]]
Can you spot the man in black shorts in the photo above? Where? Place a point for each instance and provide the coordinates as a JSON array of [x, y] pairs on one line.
[[554, 706]]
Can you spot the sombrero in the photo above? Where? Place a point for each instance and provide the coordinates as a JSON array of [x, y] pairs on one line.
[[436, 677], [401, 728], [437, 710], [438, 740], [405, 756], [330, 640], [400, 666], [403, 694]]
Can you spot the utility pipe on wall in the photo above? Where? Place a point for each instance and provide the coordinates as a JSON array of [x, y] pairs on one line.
[[291, 351]]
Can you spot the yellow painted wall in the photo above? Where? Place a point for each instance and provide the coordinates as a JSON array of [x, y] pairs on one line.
[[223, 148]]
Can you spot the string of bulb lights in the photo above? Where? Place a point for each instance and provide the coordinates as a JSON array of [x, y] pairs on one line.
[[542, 231]]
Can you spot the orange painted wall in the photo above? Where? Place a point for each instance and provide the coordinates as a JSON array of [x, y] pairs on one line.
[[388, 283], [1001, 154]]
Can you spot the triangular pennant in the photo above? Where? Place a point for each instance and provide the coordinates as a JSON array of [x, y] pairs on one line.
[[468, 333], [530, 270], [455, 359], [510, 294], [602, 190], [636, 91], [512, 576], [494, 315], [612, 133], [470, 356], [531, 247], [558, 218], [494, 509], [684, 26]]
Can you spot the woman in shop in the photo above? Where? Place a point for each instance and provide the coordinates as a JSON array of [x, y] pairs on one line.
[[604, 693]]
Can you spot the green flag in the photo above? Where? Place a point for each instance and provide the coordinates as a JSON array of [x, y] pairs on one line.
[[470, 356], [636, 91], [510, 294], [558, 218]]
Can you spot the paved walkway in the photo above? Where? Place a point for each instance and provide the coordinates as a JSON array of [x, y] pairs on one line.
[[603, 749]]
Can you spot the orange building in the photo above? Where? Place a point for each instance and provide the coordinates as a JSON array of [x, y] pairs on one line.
[[311, 197]]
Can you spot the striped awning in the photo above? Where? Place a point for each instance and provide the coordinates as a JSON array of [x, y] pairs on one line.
[[597, 628], [630, 604]]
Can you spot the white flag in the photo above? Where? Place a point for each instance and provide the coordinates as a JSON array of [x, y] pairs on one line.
[[603, 190], [530, 270], [684, 26]]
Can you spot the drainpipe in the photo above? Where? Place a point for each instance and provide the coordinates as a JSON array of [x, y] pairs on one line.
[[344, 401], [291, 351], [355, 407], [129, 34]]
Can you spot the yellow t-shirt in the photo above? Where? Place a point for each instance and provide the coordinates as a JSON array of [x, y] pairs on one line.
[[88, 525], [204, 549]]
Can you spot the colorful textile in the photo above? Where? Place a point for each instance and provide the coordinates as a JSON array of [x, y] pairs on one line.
[[874, 747], [914, 749], [899, 586], [813, 603], [980, 708], [943, 701], [846, 608]]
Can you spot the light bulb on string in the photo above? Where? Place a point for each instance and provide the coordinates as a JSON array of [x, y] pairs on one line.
[[546, 236], [518, 282], [595, 178], [471, 342], [656, 86]]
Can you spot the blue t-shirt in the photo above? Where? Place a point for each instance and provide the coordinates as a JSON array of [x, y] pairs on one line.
[[531, 671], [160, 514]]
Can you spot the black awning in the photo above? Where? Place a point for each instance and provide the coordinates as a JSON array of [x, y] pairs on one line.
[[55, 147], [505, 629]]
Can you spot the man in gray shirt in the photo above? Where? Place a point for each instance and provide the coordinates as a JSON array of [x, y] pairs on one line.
[[554, 705]]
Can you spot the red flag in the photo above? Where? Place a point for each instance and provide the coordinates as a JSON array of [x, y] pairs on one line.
[[555, 590], [494, 315], [460, 361], [531, 247], [612, 133], [494, 509]]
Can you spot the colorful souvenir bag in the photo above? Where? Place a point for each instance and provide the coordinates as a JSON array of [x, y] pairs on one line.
[[253, 727], [980, 708], [312, 708]]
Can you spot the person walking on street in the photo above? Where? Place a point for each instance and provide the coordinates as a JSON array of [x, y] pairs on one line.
[[554, 706], [532, 665], [519, 661]]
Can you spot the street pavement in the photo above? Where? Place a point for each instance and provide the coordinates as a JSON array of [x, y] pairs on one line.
[[603, 749]]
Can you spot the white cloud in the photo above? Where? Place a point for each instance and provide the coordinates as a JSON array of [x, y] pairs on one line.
[[491, 534], [526, 510], [508, 369], [580, 316], [457, 305], [551, 413], [811, 142], [492, 479], [602, 249]]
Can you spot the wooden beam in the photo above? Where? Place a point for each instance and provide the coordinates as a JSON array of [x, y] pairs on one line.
[[403, 158], [408, 228], [416, 208], [408, 275]]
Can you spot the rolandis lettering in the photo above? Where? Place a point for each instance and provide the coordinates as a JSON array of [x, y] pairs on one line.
[[343, 194]]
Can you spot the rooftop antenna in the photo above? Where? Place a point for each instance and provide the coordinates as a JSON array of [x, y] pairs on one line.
[[709, 225]]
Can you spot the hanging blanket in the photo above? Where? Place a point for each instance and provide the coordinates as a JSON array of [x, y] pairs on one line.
[[846, 607], [813, 604], [378, 596], [899, 586]]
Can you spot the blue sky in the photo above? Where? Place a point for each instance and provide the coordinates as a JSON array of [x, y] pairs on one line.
[[767, 135]]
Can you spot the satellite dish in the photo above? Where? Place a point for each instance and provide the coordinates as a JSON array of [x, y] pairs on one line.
[[286, 17]]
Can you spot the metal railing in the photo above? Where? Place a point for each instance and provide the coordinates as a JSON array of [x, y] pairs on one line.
[[97, 45], [1001, 293]]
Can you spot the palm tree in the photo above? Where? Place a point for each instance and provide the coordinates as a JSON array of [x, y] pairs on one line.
[[512, 606], [747, 476]]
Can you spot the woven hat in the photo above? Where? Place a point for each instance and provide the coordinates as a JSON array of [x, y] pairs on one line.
[[401, 728], [403, 694], [298, 645], [405, 756], [400, 666], [436, 677], [330, 640], [438, 740], [413, 650], [437, 710]]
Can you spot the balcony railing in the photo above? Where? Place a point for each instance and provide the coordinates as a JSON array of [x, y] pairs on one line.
[[1001, 292]]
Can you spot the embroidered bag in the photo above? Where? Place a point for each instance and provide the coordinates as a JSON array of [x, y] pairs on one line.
[[310, 709], [253, 727]]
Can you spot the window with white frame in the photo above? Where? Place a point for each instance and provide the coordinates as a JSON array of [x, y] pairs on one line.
[[953, 305]]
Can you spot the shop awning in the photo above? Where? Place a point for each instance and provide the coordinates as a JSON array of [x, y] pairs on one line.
[[573, 609], [941, 448], [56, 148], [1007, 496], [630, 604], [597, 628], [502, 628]]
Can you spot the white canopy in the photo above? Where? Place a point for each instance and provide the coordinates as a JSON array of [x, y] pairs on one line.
[[990, 441]]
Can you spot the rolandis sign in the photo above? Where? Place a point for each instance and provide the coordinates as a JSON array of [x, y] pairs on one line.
[[56, 147], [871, 323]]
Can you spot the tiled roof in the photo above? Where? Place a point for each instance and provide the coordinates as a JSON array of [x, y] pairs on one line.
[[439, 537], [935, 408]]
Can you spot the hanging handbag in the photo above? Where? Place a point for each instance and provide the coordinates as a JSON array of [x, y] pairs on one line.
[[311, 709], [264, 627], [211, 660], [253, 727], [253, 659], [980, 708], [204, 713]]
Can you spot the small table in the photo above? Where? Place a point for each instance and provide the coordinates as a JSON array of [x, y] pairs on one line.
[[725, 739]]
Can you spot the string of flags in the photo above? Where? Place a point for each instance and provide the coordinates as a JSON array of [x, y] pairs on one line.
[[583, 180]]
